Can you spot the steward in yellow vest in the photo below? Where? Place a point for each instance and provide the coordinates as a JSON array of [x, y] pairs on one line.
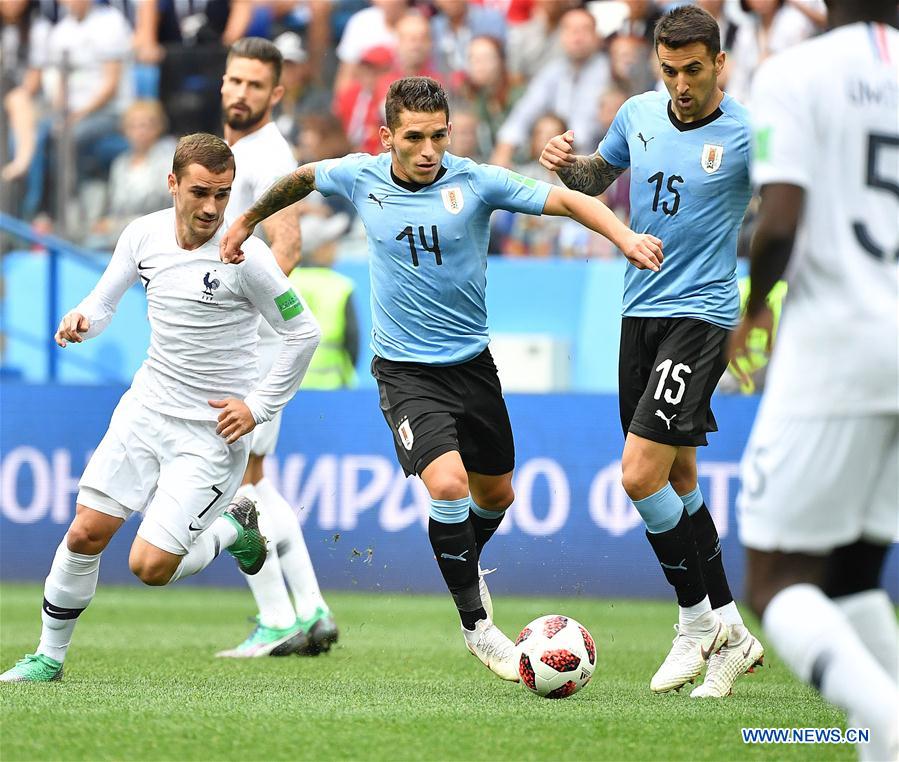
[[329, 295]]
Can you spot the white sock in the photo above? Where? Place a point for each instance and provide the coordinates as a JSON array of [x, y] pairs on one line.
[[69, 588], [689, 614], [220, 534], [873, 618], [729, 614], [816, 641], [268, 587], [291, 547]]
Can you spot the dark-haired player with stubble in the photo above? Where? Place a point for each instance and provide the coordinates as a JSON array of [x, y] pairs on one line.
[[427, 214], [689, 155]]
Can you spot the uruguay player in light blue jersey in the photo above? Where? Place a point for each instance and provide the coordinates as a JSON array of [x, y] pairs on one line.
[[426, 214], [688, 151]]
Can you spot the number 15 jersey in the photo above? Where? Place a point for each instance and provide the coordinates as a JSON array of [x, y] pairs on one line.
[[428, 250], [690, 187]]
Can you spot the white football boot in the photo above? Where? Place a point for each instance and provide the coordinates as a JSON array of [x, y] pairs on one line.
[[690, 650], [741, 653], [494, 649], [486, 600]]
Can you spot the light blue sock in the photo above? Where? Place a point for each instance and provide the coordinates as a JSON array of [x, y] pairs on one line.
[[693, 501], [478, 511], [660, 511], [450, 511]]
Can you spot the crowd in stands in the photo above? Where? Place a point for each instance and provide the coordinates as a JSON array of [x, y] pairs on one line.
[[94, 91]]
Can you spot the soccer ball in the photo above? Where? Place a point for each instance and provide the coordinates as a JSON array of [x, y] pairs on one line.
[[557, 656]]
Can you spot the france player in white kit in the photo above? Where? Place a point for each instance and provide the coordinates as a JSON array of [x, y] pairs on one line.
[[426, 215], [819, 506], [175, 449], [688, 151], [250, 90]]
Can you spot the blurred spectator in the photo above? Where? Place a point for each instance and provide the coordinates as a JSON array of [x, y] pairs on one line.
[[569, 86], [189, 39], [641, 20], [413, 54], [726, 24], [360, 102], [484, 90], [770, 27], [93, 43], [369, 28], [464, 137], [536, 42], [301, 94], [530, 235], [322, 137], [137, 181], [629, 62], [23, 45], [322, 220], [455, 25]]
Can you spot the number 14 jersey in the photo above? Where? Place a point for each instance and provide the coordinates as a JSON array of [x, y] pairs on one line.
[[690, 187], [428, 250]]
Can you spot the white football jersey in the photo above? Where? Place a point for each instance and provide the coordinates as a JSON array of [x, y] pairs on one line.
[[826, 116], [260, 158], [204, 316]]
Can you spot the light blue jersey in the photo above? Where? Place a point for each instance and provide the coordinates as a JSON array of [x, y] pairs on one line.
[[428, 250], [689, 187]]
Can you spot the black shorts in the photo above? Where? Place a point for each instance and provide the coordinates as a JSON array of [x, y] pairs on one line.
[[667, 371], [435, 409]]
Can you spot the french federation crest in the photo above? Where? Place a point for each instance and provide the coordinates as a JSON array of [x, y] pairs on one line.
[[405, 432], [453, 200], [711, 157]]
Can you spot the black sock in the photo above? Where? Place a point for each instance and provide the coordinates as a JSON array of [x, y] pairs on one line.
[[456, 553], [708, 546], [484, 528], [676, 551]]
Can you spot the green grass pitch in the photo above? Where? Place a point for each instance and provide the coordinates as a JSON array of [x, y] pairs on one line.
[[141, 684]]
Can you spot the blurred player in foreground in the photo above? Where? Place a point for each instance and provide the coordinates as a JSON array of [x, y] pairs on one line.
[[689, 153], [250, 90], [820, 500], [427, 213], [175, 449]]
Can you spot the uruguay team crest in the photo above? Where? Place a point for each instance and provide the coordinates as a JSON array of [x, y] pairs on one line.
[[711, 157], [405, 432], [452, 199]]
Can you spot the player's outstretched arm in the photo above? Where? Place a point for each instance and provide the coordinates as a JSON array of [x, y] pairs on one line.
[[642, 250], [588, 174], [286, 191]]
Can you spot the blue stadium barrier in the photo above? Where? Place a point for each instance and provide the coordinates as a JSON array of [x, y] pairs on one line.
[[571, 530]]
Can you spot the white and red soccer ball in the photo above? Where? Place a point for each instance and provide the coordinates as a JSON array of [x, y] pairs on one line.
[[557, 656]]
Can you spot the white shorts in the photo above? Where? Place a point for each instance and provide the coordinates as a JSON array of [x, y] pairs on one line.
[[179, 474], [265, 435], [814, 484]]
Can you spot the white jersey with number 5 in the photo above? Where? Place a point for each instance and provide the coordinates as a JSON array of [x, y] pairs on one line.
[[826, 116]]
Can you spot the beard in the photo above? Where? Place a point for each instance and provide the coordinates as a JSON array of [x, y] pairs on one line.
[[245, 121]]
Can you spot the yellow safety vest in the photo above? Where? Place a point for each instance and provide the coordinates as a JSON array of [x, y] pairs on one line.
[[326, 293], [757, 356]]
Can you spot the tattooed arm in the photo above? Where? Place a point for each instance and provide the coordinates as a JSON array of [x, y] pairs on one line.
[[286, 191], [588, 174]]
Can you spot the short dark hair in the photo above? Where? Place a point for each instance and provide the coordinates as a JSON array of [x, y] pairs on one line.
[[204, 149], [420, 94], [685, 25], [259, 49]]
